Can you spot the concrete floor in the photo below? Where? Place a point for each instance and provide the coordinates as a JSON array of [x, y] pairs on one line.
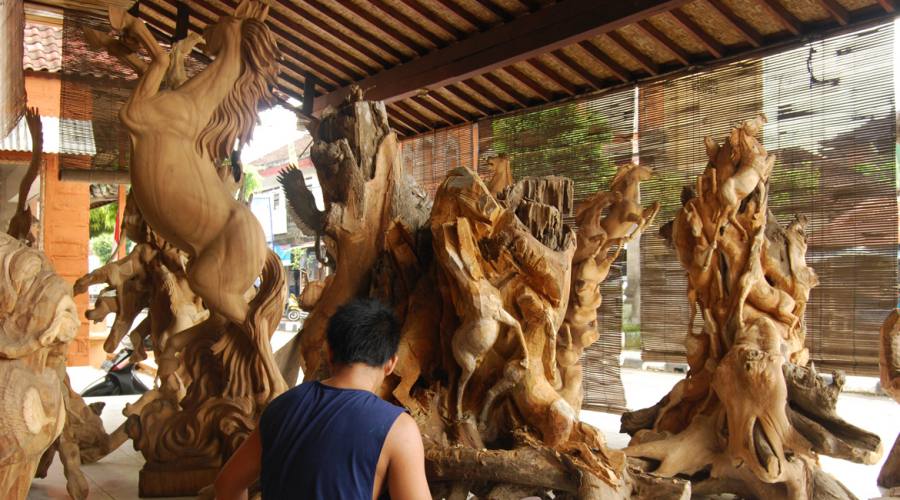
[[116, 476]]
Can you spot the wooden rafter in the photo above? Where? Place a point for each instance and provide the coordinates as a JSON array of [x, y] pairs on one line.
[[667, 43], [340, 18], [606, 61], [325, 43], [495, 9], [397, 125], [464, 14], [538, 89], [507, 89], [434, 109], [381, 26], [523, 38], [419, 118], [404, 121], [567, 86], [642, 59], [292, 51], [741, 26], [471, 101], [688, 24], [487, 94], [776, 10], [450, 106], [573, 65], [837, 11], [434, 18], [412, 25], [887, 5]]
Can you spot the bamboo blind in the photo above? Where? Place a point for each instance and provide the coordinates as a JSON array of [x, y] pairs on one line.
[[12, 78], [830, 106]]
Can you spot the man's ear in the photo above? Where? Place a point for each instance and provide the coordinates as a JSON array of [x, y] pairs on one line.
[[390, 365]]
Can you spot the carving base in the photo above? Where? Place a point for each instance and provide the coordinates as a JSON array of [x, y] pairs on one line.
[[170, 480]]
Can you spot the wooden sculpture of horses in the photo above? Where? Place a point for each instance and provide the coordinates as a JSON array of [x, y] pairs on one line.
[[178, 136]]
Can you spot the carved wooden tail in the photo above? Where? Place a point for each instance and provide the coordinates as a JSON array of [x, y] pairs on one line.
[[245, 349], [265, 313]]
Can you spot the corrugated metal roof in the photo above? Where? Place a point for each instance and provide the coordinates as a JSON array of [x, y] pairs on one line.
[[79, 139]]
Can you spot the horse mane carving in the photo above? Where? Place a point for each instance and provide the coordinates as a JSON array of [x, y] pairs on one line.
[[237, 115]]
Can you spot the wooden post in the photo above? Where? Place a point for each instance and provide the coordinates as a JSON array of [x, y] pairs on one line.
[[120, 216]]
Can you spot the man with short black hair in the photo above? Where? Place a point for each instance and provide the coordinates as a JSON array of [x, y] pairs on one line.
[[335, 439]]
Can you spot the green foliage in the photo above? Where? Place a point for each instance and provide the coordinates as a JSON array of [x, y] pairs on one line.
[[788, 182], [878, 172], [252, 181], [298, 258], [559, 139], [632, 336], [103, 219], [103, 246]]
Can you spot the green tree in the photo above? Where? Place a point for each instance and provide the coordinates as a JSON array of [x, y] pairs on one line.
[[564, 140], [103, 219], [103, 246]]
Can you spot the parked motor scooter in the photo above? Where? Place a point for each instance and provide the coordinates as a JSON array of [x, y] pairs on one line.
[[120, 378], [292, 309]]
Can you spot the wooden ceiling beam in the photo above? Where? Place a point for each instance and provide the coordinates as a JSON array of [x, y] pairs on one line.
[[348, 23], [471, 101], [399, 126], [698, 33], [573, 65], [315, 38], [538, 89], [447, 103], [837, 11], [667, 43], [523, 38], [487, 95], [496, 9], [405, 109], [380, 25], [410, 24], [567, 86], [887, 5], [613, 67], [404, 120], [642, 59], [776, 10], [434, 18], [507, 89], [432, 108], [464, 14], [291, 51], [741, 26]]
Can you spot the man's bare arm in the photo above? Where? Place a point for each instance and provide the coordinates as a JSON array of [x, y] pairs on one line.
[[406, 468], [241, 470]]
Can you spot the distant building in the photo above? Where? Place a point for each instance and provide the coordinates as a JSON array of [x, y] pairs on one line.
[[270, 206]]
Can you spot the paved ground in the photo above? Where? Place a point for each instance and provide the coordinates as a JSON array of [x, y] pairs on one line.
[[116, 476]]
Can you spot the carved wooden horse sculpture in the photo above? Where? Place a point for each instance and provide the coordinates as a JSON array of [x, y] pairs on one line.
[[626, 217], [177, 137]]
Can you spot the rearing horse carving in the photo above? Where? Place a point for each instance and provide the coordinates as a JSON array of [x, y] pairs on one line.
[[178, 136]]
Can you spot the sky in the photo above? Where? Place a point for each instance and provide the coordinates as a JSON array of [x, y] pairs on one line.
[[278, 126]]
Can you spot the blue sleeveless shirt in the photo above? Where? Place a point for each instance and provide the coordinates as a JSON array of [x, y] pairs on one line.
[[322, 442]]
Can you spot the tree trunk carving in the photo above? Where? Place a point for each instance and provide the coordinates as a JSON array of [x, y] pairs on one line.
[[751, 416]]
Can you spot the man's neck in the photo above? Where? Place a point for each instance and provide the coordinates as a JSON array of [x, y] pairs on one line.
[[355, 376]]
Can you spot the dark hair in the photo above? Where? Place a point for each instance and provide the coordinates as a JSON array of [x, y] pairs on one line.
[[363, 331]]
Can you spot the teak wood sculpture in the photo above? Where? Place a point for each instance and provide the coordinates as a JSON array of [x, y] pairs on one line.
[[890, 383], [199, 249], [37, 320], [752, 414], [495, 311]]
